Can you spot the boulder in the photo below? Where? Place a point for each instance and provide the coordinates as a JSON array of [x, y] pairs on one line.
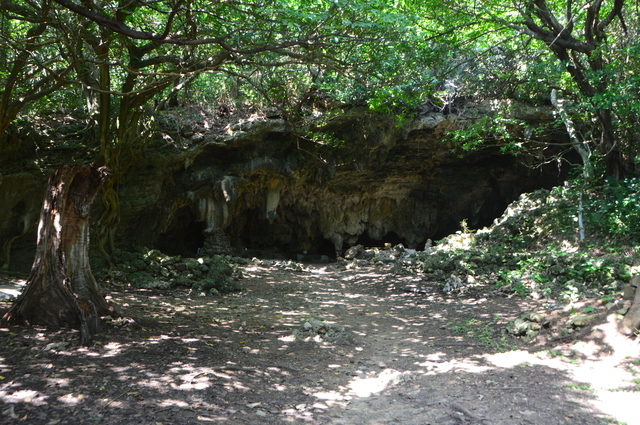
[[631, 321]]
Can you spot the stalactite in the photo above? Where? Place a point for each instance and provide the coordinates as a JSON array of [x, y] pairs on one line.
[[228, 188], [274, 187], [214, 213]]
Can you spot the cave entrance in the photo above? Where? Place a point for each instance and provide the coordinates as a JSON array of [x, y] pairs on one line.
[[391, 238], [185, 238], [326, 247]]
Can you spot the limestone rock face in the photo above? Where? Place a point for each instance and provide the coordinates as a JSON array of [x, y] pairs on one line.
[[267, 188], [270, 187]]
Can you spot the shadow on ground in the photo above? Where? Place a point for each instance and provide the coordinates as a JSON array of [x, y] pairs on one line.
[[413, 359]]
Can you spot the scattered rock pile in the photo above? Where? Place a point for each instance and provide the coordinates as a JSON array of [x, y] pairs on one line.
[[385, 255], [209, 275], [453, 284], [323, 333], [215, 243], [397, 259], [528, 325], [285, 265], [400, 260]]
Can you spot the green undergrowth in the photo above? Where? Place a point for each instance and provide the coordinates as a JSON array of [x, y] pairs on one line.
[[151, 269], [534, 250], [484, 332]]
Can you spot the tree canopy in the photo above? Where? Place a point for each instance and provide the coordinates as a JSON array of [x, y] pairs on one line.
[[588, 51], [111, 61], [113, 64]]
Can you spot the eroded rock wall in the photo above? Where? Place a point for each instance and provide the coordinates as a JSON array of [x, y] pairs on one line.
[[269, 187]]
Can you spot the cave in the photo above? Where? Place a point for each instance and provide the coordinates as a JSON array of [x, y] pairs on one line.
[[390, 238], [273, 197], [185, 238], [325, 248]]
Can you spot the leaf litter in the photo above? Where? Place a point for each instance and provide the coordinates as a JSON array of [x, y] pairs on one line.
[[322, 344]]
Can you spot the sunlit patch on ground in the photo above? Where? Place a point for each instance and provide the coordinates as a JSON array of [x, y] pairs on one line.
[[414, 359]]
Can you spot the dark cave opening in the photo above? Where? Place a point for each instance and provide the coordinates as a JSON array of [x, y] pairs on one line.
[[390, 238], [252, 236], [326, 247], [453, 228], [185, 238]]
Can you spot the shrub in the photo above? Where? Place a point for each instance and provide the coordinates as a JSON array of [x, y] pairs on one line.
[[617, 212]]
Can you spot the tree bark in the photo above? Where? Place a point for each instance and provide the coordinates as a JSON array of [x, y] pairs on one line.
[[61, 289], [608, 147]]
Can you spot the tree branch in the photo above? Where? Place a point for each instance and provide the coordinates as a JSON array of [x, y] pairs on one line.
[[545, 15], [616, 10], [120, 28]]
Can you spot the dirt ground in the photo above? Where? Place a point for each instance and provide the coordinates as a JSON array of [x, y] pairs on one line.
[[402, 357]]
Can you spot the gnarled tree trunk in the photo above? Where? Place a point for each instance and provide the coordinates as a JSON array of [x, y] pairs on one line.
[[61, 289]]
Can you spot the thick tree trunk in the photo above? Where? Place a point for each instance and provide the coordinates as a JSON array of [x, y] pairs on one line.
[[61, 290], [612, 155]]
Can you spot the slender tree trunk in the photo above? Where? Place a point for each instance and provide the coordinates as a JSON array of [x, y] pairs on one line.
[[580, 146], [61, 290]]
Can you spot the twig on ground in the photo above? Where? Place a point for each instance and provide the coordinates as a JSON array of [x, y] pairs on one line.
[[459, 408], [115, 399]]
